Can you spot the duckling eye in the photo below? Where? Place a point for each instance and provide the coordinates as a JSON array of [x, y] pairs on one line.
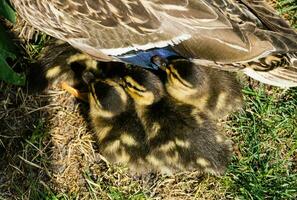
[[94, 97], [133, 85], [129, 84], [174, 74]]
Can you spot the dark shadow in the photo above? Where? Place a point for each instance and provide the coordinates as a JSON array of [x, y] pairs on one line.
[[23, 135]]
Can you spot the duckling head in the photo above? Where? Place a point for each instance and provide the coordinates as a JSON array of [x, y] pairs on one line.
[[183, 78], [143, 86], [107, 98]]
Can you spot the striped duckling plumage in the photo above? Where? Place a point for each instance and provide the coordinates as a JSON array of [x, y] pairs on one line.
[[178, 139], [58, 64], [119, 132], [216, 92], [241, 35], [136, 122]]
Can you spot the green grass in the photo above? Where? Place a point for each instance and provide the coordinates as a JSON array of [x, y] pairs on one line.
[[34, 157], [288, 8], [266, 134], [113, 192]]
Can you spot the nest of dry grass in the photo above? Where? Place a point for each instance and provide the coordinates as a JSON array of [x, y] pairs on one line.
[[63, 156]]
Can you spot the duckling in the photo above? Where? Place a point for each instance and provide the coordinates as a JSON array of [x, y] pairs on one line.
[[58, 62], [216, 92], [177, 140], [119, 131], [61, 64]]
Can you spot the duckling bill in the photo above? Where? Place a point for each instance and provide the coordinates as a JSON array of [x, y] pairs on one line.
[[61, 65]]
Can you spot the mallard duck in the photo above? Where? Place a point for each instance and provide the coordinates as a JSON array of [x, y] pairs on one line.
[[214, 91], [177, 139], [231, 35]]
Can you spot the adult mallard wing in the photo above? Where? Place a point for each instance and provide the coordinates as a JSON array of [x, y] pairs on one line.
[[268, 16], [118, 26], [215, 32]]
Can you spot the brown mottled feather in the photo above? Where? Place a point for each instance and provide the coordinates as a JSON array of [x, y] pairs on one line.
[[226, 34]]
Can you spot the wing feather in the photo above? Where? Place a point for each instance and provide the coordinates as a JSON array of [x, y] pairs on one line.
[[268, 16], [224, 32]]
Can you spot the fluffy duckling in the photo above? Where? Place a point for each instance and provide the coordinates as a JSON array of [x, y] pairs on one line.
[[177, 140], [119, 131], [59, 63], [216, 92]]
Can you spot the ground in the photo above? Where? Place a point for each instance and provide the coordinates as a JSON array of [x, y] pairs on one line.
[[47, 150]]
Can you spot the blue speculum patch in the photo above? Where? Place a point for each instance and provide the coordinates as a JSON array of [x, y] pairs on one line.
[[143, 58]]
